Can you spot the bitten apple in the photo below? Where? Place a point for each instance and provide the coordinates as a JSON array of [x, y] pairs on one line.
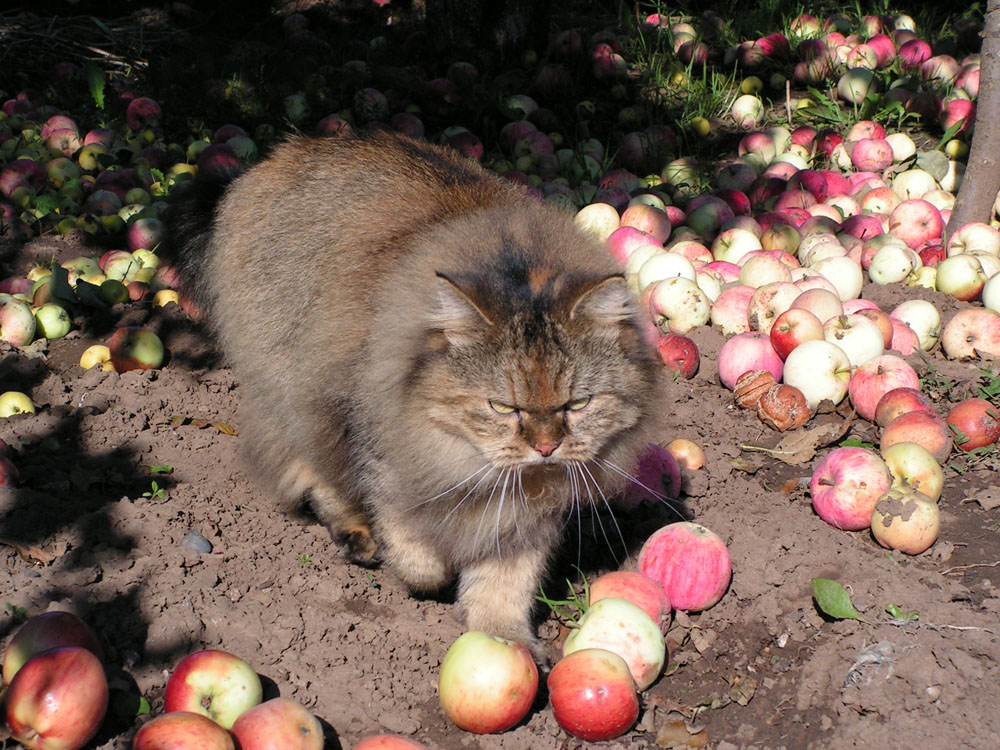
[[906, 520]]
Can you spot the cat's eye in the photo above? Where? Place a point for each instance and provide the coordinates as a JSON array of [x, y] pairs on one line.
[[501, 408], [578, 403]]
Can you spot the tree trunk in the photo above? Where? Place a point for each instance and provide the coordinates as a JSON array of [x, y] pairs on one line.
[[504, 26], [982, 175]]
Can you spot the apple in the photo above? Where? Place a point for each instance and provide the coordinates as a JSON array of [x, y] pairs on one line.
[[900, 401], [679, 354], [637, 257], [972, 333], [677, 305], [134, 348], [882, 321], [892, 264], [846, 485], [15, 402], [732, 244], [690, 561], [845, 275], [278, 724], [688, 454], [905, 520], [623, 628], [974, 237], [52, 321], [961, 276], [641, 590], [593, 695], [599, 219], [916, 222], [215, 684], [914, 184], [761, 269], [875, 378], [991, 293], [820, 369], [17, 323], [182, 730], [486, 684], [45, 631], [57, 700], [975, 422], [924, 428], [389, 742], [793, 327], [913, 465], [729, 312], [923, 318], [822, 303], [649, 219], [664, 265], [747, 351], [768, 302]]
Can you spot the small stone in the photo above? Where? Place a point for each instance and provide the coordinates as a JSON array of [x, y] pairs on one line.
[[194, 540]]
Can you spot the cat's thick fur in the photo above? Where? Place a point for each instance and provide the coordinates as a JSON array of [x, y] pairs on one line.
[[442, 364]]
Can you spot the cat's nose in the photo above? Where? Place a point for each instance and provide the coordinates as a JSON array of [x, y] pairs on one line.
[[546, 449]]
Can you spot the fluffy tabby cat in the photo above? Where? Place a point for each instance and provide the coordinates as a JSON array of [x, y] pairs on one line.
[[444, 365]]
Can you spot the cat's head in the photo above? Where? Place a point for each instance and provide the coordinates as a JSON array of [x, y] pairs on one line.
[[536, 366]]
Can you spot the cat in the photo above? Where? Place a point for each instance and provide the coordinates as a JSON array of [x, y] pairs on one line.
[[445, 366]]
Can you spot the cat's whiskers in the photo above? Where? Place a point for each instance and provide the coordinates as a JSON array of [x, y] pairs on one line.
[[503, 496], [480, 470], [611, 513], [468, 494], [489, 501], [658, 495]]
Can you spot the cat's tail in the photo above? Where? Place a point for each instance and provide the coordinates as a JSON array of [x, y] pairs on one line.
[[190, 225]]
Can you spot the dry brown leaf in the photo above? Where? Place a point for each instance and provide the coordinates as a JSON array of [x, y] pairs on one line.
[[800, 447], [35, 555], [201, 424], [988, 499], [742, 464], [677, 735], [742, 689], [703, 639]]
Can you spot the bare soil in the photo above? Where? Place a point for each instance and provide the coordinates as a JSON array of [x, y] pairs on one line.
[[86, 531]]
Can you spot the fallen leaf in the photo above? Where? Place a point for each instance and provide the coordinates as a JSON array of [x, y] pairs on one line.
[[741, 464], [677, 735], [988, 499], [742, 689], [201, 424], [703, 639], [35, 555], [800, 447]]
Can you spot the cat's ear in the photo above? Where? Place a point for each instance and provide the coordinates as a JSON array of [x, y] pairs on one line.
[[455, 313], [603, 301]]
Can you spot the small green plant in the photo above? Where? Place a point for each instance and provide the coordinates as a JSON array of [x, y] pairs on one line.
[[900, 616], [156, 491], [571, 608], [161, 469], [17, 614], [934, 384], [304, 559]]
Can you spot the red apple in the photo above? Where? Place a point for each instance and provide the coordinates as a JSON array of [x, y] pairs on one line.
[[644, 592], [875, 378], [899, 401], [215, 684], [977, 421], [679, 354], [883, 321], [974, 332], [921, 427], [593, 695], [389, 742], [278, 724], [134, 348], [747, 351], [657, 477], [486, 684], [45, 631], [690, 561], [182, 730], [845, 486], [792, 327], [57, 699]]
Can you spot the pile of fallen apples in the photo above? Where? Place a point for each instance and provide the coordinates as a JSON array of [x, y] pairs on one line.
[[614, 651]]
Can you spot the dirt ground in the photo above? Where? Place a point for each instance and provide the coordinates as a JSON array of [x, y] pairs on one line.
[[86, 531]]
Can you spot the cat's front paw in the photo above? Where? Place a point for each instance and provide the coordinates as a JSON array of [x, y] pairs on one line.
[[360, 547]]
